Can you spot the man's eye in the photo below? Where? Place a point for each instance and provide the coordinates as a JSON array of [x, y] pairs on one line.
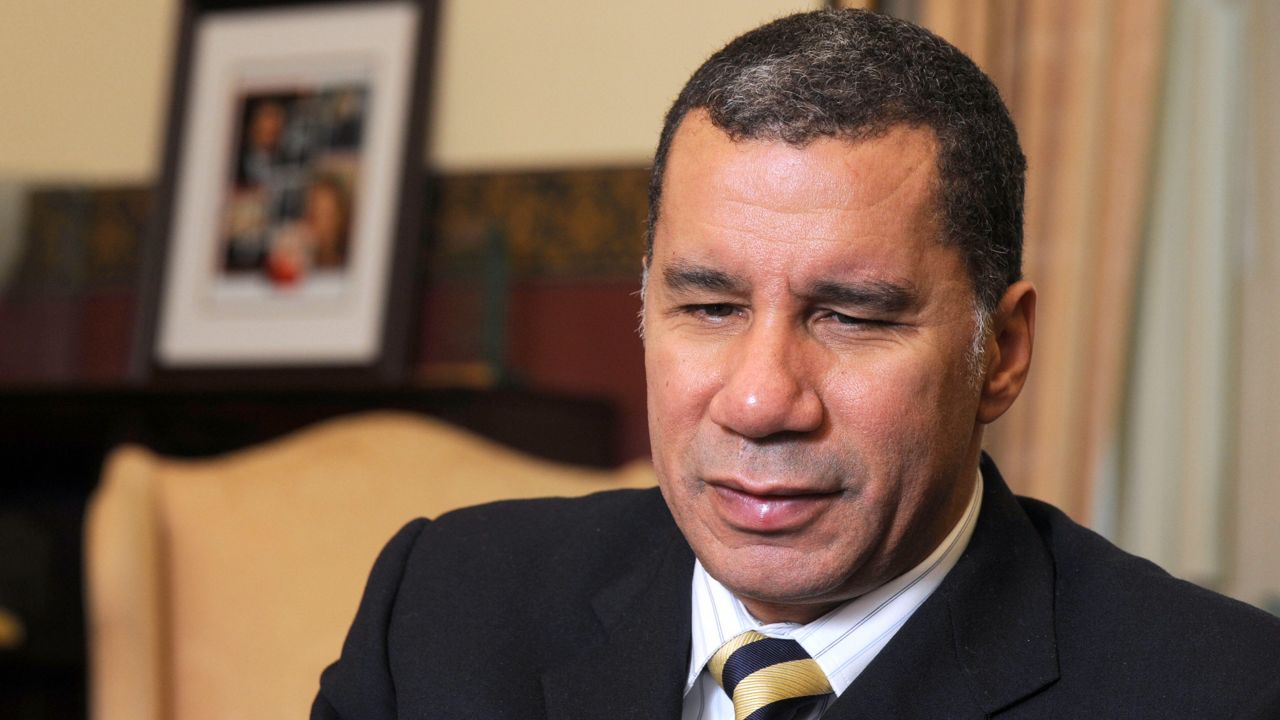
[[855, 321], [710, 314], [714, 310]]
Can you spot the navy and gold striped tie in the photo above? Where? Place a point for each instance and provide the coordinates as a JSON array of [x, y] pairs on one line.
[[767, 678]]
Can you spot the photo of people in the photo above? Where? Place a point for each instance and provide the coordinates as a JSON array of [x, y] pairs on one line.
[[292, 184]]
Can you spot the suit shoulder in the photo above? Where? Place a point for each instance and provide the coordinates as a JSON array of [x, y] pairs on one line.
[[595, 517], [547, 545], [1109, 598]]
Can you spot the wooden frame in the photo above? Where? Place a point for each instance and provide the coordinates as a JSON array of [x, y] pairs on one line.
[[289, 212]]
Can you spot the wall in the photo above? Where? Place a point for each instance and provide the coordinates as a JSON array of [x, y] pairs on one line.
[[531, 84], [82, 82], [520, 84]]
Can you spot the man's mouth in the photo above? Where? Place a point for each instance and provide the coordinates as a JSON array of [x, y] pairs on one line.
[[768, 510]]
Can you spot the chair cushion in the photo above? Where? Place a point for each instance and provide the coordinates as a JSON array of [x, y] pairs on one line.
[[264, 553]]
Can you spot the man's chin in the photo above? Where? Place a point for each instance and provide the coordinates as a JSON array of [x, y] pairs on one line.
[[780, 589], [771, 606]]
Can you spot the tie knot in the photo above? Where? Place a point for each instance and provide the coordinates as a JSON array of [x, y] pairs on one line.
[[766, 676]]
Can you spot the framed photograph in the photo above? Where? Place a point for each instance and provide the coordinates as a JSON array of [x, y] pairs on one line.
[[289, 210]]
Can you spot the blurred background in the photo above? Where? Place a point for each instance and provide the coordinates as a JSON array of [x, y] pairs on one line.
[[1152, 232]]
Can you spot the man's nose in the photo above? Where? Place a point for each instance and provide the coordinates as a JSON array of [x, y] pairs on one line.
[[770, 385]]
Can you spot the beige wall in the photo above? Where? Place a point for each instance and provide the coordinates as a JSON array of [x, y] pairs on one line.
[[80, 88], [527, 83], [84, 85]]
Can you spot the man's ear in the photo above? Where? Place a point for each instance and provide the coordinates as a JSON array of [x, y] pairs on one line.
[[1008, 356]]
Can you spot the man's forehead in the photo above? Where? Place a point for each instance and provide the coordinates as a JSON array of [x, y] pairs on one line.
[[860, 211], [881, 147], [866, 174]]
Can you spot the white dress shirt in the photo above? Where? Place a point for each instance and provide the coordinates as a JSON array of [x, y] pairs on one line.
[[843, 642]]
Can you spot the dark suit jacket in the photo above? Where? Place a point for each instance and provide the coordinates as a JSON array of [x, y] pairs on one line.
[[565, 609]]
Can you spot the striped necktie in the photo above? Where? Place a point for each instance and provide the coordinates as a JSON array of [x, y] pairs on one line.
[[767, 678]]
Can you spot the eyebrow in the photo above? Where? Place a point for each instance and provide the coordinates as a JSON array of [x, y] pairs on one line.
[[687, 277], [878, 295], [875, 295]]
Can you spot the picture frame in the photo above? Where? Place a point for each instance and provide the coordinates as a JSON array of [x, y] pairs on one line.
[[288, 215]]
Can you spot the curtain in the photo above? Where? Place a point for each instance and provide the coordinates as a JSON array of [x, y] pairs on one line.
[[1082, 79], [1201, 482], [1253, 572], [1178, 435]]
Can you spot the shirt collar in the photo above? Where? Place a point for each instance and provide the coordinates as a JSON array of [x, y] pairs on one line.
[[845, 640]]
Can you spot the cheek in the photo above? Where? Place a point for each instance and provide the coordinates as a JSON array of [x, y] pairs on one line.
[[681, 380], [897, 404], [901, 418], [680, 376]]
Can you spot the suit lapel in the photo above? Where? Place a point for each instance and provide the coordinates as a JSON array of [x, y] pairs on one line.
[[983, 641], [914, 676], [638, 669]]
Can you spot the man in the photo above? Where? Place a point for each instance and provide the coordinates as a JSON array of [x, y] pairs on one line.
[[833, 312]]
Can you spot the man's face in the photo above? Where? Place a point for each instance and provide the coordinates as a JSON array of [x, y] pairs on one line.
[[811, 409]]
